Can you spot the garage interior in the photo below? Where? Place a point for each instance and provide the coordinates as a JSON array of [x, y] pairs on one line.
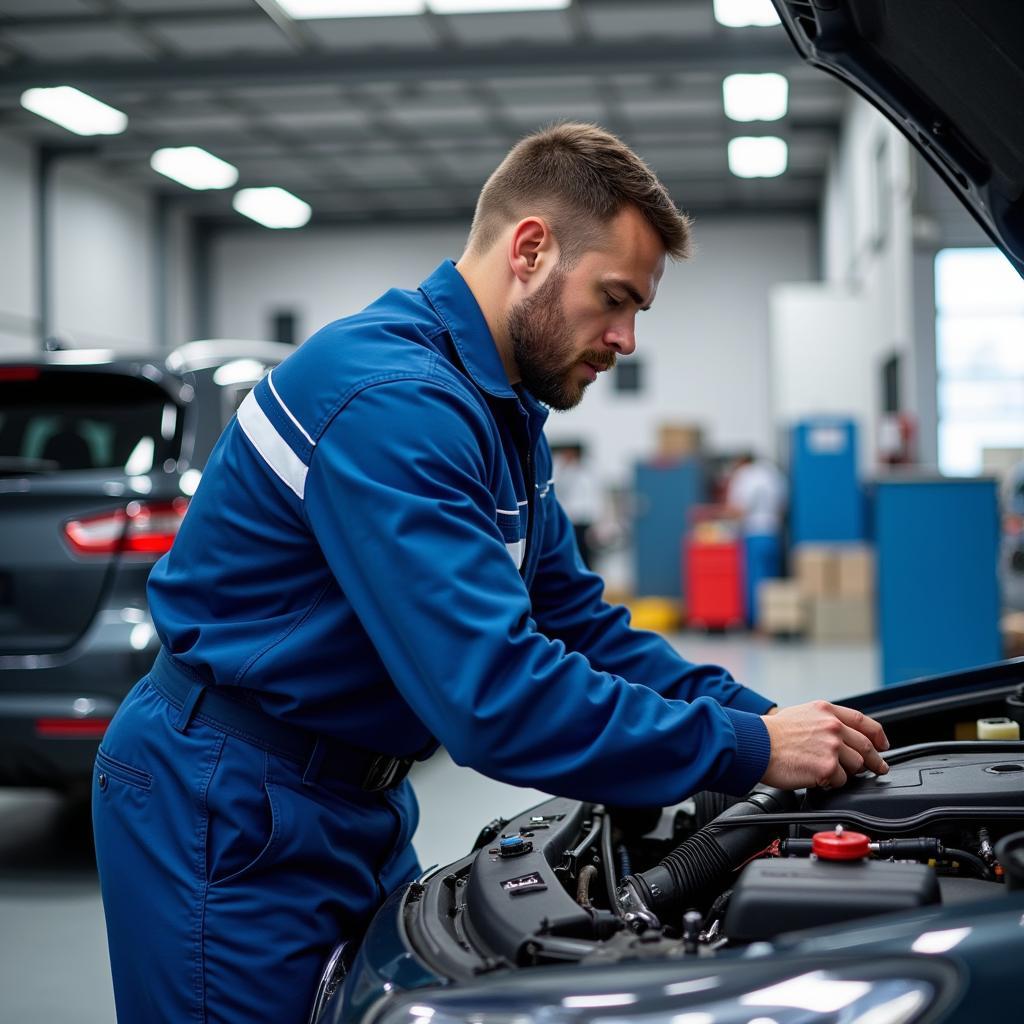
[[843, 321]]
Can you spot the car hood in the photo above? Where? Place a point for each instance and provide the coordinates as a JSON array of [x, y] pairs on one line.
[[950, 75]]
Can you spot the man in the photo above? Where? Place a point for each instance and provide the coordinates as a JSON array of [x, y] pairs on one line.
[[579, 495], [757, 494], [376, 562]]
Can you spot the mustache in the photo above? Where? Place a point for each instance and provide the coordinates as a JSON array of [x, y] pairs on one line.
[[599, 360]]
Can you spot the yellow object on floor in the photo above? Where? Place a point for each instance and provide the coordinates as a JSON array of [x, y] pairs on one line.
[[659, 614]]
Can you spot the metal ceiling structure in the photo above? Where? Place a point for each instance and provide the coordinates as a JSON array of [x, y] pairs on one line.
[[396, 118]]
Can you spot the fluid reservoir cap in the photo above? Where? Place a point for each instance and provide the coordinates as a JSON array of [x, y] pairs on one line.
[[514, 846], [840, 845]]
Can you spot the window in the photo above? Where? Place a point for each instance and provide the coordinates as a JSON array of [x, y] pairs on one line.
[[979, 335], [58, 420], [629, 377]]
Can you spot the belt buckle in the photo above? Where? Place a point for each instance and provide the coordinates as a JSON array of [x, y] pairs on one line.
[[385, 771]]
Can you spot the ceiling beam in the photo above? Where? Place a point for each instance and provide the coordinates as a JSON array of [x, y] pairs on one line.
[[212, 12], [722, 54], [748, 207]]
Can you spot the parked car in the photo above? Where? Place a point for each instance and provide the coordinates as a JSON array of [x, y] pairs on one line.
[[98, 457], [892, 900]]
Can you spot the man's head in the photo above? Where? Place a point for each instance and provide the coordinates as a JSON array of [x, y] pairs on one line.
[[568, 243]]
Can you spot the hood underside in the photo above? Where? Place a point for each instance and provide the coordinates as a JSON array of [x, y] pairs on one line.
[[950, 75]]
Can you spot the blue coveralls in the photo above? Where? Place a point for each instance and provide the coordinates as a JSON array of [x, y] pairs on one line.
[[375, 554]]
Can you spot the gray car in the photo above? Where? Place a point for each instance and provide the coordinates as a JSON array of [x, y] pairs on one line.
[[99, 455]]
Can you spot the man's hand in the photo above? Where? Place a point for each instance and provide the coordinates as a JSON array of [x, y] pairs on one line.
[[820, 744]]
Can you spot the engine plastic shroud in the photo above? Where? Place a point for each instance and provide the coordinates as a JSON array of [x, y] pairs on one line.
[[941, 775], [774, 896]]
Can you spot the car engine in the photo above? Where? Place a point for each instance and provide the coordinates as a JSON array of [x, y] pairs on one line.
[[575, 882]]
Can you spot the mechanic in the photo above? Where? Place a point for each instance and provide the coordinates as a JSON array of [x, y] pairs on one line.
[[376, 562]]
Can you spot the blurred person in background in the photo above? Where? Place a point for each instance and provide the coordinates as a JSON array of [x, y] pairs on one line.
[[757, 494], [579, 494]]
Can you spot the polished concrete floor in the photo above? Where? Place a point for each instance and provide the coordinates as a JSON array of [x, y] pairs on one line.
[[53, 959]]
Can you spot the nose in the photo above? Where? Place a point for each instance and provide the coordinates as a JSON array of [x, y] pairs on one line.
[[621, 337]]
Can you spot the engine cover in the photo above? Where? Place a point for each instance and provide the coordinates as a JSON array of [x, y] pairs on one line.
[[933, 775], [775, 896]]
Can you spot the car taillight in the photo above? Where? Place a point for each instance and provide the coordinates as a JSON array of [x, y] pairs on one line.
[[142, 527], [71, 728]]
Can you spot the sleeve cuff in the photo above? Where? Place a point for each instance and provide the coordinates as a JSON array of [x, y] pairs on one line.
[[750, 701], [753, 749]]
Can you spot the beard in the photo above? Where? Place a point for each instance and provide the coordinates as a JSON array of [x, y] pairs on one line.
[[543, 347]]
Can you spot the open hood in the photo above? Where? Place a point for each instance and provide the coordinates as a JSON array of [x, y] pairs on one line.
[[950, 75]]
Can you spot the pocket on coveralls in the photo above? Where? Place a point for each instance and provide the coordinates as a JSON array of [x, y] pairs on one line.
[[108, 768], [243, 814]]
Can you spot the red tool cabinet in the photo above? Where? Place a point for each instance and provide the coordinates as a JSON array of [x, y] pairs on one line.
[[714, 583]]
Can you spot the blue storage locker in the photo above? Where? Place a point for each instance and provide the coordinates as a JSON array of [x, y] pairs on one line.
[[826, 503], [938, 547], [664, 495]]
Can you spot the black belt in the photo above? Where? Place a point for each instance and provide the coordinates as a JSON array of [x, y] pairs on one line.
[[322, 757]]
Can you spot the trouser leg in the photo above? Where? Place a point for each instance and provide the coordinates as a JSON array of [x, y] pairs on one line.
[[226, 881]]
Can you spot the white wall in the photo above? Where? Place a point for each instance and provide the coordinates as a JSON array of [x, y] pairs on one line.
[[864, 309], [101, 258], [101, 261], [18, 327], [940, 221], [704, 345]]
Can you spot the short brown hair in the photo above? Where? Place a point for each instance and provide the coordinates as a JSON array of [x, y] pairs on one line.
[[579, 176]]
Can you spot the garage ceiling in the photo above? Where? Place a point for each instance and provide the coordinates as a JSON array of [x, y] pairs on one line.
[[404, 117]]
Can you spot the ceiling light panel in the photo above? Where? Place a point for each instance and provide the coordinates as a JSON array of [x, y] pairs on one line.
[[194, 167], [308, 9], [491, 6], [755, 97], [77, 111], [745, 13], [272, 207], [762, 156]]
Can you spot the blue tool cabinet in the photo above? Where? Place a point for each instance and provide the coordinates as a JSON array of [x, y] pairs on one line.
[[664, 494], [938, 545], [826, 501]]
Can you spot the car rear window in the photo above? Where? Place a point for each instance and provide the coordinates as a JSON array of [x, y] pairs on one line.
[[63, 420]]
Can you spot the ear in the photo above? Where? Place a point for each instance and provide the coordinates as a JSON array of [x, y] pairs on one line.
[[531, 248]]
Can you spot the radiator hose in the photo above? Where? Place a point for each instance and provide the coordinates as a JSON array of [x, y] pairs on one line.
[[694, 873]]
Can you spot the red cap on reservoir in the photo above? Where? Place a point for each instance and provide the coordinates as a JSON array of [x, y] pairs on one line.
[[840, 845]]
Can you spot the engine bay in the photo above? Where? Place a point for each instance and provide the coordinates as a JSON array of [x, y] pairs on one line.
[[574, 882]]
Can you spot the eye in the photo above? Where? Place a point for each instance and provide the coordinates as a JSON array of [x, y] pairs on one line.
[[613, 302]]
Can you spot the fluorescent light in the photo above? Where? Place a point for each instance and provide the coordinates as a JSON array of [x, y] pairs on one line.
[[742, 13], [306, 9], [763, 156], [755, 97], [75, 110], [490, 6], [303, 9], [272, 207], [194, 167]]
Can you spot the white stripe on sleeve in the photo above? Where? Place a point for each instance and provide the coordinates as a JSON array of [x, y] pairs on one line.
[[271, 445], [516, 551]]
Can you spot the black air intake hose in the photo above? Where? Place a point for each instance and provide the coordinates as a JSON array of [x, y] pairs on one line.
[[693, 874], [709, 805]]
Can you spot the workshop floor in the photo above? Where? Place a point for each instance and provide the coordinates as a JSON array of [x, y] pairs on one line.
[[53, 958]]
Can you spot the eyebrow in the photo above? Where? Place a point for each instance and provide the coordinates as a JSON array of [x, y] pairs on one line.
[[630, 291]]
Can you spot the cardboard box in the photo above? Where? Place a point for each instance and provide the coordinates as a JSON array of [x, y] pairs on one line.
[[815, 568], [679, 440], [781, 607], [1012, 628], [838, 620], [855, 571]]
